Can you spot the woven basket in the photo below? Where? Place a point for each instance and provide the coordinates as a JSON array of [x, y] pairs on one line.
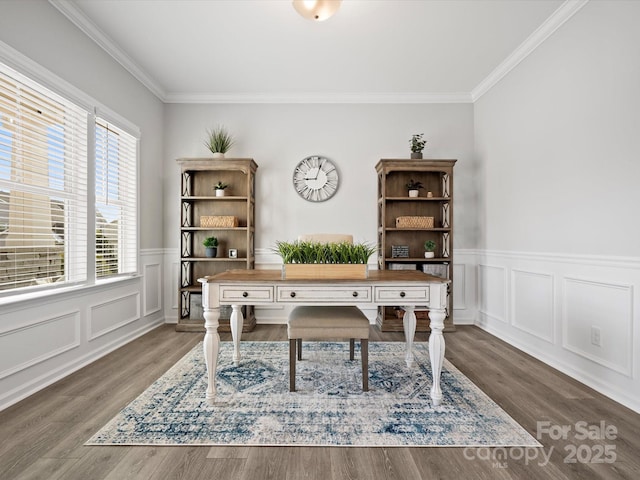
[[218, 221], [414, 222]]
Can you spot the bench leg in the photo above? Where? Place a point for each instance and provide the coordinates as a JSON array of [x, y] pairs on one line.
[[352, 343], [292, 364], [364, 353]]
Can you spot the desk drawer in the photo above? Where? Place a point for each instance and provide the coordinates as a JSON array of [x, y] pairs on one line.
[[400, 294], [246, 295], [346, 295]]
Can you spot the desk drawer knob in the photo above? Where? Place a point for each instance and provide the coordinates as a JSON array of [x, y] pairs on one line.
[[245, 294], [402, 294], [292, 294], [355, 294]]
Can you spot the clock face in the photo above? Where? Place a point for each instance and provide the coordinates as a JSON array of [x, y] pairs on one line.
[[315, 179]]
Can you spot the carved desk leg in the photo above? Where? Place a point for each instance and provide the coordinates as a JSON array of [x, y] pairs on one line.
[[236, 321], [211, 344], [436, 351], [409, 325]]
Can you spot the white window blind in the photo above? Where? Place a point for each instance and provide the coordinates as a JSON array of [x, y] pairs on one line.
[[43, 186], [116, 201]]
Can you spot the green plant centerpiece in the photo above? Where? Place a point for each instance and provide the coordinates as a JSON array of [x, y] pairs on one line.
[[220, 189], [417, 145], [308, 260], [414, 187], [429, 249], [219, 141], [211, 247]]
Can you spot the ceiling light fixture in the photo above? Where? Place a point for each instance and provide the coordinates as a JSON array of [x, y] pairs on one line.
[[317, 10]]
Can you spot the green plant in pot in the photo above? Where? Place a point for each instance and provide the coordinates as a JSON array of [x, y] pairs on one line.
[[318, 252], [211, 247], [417, 145], [429, 249], [414, 187], [220, 188], [219, 141]]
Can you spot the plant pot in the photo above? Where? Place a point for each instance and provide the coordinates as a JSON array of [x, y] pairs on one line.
[[304, 271], [429, 254], [221, 155], [220, 192], [416, 155], [211, 252], [413, 193]]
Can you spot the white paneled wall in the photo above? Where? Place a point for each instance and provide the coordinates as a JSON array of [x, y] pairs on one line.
[[43, 340], [547, 305], [575, 313]]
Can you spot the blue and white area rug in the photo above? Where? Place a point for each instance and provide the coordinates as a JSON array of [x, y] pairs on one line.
[[254, 405]]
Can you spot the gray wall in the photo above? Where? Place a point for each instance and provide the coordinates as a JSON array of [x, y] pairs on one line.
[[546, 226], [559, 140], [354, 136]]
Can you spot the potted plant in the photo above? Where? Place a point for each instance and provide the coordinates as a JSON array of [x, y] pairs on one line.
[[219, 187], [211, 247], [307, 260], [219, 141], [417, 145], [413, 187], [429, 247]]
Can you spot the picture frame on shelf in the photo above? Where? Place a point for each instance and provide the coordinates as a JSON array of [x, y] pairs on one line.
[[233, 253]]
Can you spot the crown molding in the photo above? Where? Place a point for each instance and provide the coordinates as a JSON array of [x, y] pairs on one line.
[[80, 20], [362, 98], [70, 10], [544, 31]]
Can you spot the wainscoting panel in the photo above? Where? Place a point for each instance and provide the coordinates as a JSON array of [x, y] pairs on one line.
[[578, 313], [597, 322], [152, 279], [532, 303], [171, 282], [21, 348], [465, 274], [493, 292], [115, 313], [460, 283]]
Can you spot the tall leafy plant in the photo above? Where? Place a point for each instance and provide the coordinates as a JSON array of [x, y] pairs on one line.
[[317, 252], [219, 140]]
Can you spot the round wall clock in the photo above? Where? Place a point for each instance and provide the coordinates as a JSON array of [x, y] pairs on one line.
[[316, 178]]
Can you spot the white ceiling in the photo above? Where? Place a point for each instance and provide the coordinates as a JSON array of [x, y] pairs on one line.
[[371, 50]]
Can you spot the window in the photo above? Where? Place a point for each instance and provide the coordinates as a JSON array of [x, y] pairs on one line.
[[116, 201], [44, 200]]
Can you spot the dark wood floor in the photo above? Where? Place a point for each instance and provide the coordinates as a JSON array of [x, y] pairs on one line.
[[42, 437]]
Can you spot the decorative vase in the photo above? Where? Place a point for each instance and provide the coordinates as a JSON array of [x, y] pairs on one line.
[[221, 155], [413, 193], [429, 254], [211, 252], [220, 192], [416, 155]]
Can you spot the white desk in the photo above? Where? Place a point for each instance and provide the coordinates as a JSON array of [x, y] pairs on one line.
[[382, 287]]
